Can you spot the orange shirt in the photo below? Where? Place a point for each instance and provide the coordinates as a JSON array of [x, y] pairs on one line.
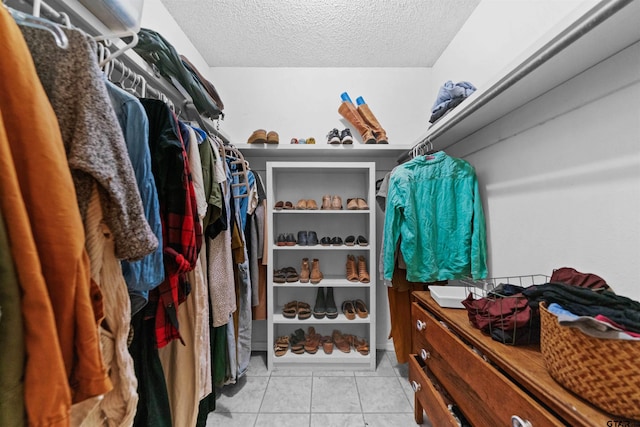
[[34, 148]]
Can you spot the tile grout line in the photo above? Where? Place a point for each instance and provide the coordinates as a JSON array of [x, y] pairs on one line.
[[255, 423]]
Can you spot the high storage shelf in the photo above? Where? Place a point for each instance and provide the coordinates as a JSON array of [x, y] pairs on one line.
[[292, 181], [593, 36]]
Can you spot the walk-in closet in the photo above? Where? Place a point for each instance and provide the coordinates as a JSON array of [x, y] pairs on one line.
[[350, 213]]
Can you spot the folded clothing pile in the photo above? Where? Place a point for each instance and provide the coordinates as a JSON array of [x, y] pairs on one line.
[[450, 96]]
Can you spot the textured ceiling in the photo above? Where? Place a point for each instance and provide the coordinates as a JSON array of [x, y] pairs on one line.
[[320, 33]]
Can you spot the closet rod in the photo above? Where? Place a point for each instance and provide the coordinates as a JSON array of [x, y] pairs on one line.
[[594, 17]]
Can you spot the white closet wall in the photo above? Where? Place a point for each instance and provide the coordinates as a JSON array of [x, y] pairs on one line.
[[156, 17], [560, 178], [303, 102], [498, 35]]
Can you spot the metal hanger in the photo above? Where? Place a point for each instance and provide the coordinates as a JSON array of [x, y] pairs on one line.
[[27, 20]]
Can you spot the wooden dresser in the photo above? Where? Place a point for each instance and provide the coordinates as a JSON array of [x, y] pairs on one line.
[[493, 385]]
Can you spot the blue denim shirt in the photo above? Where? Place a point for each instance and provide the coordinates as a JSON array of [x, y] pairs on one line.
[[144, 275], [449, 91]]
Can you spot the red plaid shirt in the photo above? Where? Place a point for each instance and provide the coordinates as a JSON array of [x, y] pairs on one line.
[[181, 228]]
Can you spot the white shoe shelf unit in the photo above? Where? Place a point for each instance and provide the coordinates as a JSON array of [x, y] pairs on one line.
[[293, 181]]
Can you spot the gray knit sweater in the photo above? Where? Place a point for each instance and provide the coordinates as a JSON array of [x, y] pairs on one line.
[[95, 146]]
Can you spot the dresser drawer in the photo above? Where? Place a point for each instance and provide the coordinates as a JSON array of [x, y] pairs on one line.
[[427, 397], [485, 395], [419, 318]]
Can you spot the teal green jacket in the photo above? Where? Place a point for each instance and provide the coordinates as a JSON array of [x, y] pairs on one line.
[[434, 208]]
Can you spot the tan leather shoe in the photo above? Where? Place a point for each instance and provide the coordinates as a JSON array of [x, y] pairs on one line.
[[305, 271], [361, 309], [302, 204], [258, 136], [273, 138], [336, 202], [311, 204], [363, 275], [352, 272], [352, 204], [316, 275], [362, 204]]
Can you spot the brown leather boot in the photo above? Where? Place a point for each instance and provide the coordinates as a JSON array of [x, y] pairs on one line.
[[352, 272], [363, 276], [349, 112], [316, 275], [305, 271], [374, 124]]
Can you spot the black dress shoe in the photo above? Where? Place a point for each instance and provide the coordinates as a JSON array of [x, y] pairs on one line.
[[325, 241], [336, 241], [290, 240]]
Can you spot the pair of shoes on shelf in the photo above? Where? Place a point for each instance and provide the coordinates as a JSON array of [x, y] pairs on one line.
[[310, 273], [306, 204], [353, 308], [283, 205], [357, 204], [296, 308], [331, 202], [363, 120], [285, 275], [325, 304], [307, 238], [310, 140], [357, 271], [328, 241], [286, 240], [344, 343], [261, 136], [352, 241], [339, 137]]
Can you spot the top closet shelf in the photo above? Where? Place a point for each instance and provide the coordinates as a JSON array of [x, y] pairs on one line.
[[604, 30], [284, 150]]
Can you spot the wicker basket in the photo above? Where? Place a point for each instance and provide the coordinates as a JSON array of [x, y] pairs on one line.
[[603, 372]]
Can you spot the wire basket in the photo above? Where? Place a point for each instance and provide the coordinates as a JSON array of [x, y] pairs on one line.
[[497, 307]]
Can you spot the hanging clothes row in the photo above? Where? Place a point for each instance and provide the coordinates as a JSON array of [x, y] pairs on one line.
[[132, 236], [434, 231]]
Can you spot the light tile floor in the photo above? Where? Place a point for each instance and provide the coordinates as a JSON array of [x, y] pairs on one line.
[[298, 398]]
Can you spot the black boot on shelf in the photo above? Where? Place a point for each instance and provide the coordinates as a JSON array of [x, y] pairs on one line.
[[330, 306], [319, 310]]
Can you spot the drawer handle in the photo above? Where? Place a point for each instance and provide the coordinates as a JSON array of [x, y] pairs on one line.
[[516, 421], [425, 354], [416, 386], [420, 325]]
